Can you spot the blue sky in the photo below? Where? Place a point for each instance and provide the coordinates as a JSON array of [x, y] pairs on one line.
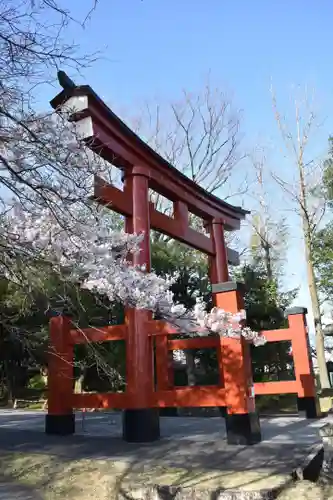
[[152, 49]]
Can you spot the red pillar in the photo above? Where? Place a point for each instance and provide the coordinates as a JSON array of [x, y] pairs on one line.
[[218, 270], [141, 423], [60, 418], [163, 368], [242, 421], [233, 355], [306, 394], [218, 264], [164, 371]]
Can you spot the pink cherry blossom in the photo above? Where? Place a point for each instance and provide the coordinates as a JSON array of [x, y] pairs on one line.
[[97, 256]]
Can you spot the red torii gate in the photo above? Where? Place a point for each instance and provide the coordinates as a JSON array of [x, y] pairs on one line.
[[142, 169]]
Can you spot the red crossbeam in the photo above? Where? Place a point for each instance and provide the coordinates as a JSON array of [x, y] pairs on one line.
[[111, 196], [189, 396], [159, 327], [102, 334], [278, 335], [280, 387], [97, 400], [181, 397], [193, 343]]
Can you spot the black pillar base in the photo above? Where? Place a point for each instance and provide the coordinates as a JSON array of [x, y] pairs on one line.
[[60, 425], [168, 412], [310, 405], [223, 411], [243, 429], [141, 426]]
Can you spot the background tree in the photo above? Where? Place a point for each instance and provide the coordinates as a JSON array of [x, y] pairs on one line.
[[266, 305], [309, 207], [199, 134], [269, 232], [323, 245], [263, 273], [42, 165], [323, 237]]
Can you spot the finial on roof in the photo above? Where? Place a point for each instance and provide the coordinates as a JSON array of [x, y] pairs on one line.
[[64, 80]]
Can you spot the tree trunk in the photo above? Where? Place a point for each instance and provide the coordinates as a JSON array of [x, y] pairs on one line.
[[10, 384], [268, 260], [320, 340]]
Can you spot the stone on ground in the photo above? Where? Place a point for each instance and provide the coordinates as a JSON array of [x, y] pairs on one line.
[[303, 490]]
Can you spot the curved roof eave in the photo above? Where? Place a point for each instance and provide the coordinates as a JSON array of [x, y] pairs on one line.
[[81, 90]]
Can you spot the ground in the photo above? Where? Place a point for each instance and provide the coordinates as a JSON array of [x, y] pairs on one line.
[[97, 464]]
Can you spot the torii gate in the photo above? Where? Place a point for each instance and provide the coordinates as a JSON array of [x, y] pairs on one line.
[[143, 168]]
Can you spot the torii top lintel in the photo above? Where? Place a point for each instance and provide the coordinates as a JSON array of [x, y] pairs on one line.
[[108, 135]]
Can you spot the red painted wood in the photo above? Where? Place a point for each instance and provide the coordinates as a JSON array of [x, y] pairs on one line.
[[183, 397], [139, 358], [176, 229], [181, 214], [144, 169], [113, 140], [114, 198], [234, 361], [297, 334], [163, 372], [162, 182], [194, 343], [281, 387], [277, 335], [117, 200], [219, 264], [302, 356], [101, 334], [115, 400], [160, 327], [190, 396], [60, 367]]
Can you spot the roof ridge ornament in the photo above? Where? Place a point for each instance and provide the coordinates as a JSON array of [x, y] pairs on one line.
[[65, 81]]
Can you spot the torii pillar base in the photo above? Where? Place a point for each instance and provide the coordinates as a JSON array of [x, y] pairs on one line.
[[310, 405], [243, 429], [141, 426], [60, 425]]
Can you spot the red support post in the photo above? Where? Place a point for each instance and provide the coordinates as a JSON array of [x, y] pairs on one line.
[[242, 421], [141, 423], [306, 390], [219, 263], [218, 270], [60, 418], [163, 372]]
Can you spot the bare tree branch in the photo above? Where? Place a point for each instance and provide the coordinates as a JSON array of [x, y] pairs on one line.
[[199, 135], [301, 195], [269, 233]]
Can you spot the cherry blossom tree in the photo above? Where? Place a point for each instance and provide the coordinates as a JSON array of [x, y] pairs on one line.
[[40, 159], [95, 255], [46, 175]]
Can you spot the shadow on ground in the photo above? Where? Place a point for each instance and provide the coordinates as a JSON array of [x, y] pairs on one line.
[[192, 454]]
